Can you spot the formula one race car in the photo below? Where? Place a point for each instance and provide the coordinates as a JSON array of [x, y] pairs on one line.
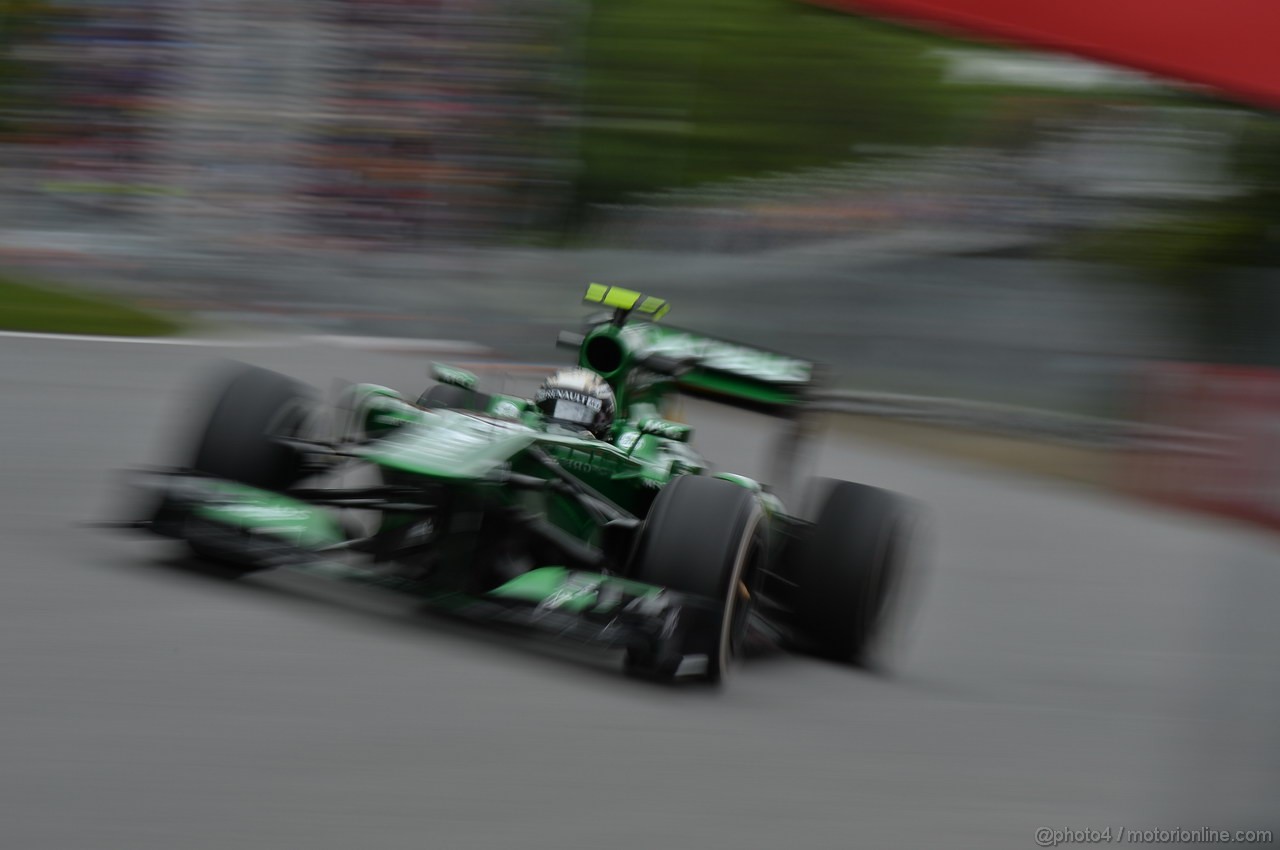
[[582, 512]]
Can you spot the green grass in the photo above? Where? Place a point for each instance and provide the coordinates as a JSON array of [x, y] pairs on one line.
[[36, 306]]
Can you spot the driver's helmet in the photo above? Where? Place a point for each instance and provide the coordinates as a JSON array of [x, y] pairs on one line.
[[578, 398]]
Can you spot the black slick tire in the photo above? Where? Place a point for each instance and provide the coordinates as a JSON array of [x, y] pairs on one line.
[[703, 537], [251, 407], [849, 570]]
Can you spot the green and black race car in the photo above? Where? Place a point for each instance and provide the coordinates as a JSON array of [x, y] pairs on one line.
[[582, 512]]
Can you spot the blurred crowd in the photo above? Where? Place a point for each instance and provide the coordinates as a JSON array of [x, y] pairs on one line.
[[372, 120], [99, 75]]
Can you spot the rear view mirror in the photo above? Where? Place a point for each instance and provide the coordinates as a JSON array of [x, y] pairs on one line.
[[667, 429], [453, 376]]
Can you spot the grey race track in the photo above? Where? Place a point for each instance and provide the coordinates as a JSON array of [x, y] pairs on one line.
[[1074, 661]]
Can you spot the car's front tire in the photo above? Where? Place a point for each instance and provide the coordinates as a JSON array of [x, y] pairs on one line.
[[703, 537], [237, 441], [249, 411]]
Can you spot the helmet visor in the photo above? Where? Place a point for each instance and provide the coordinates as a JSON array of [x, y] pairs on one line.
[[577, 413]]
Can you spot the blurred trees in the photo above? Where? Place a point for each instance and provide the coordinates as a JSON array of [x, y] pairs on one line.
[[679, 92], [1187, 245], [1223, 255]]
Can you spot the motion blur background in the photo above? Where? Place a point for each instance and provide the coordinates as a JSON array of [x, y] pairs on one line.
[[985, 221], [995, 223], [925, 214]]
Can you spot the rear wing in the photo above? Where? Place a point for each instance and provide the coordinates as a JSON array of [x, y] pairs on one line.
[[731, 372]]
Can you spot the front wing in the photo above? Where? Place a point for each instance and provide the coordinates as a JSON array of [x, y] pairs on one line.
[[661, 630]]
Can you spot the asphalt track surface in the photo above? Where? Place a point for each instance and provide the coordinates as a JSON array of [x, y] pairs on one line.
[[1074, 661]]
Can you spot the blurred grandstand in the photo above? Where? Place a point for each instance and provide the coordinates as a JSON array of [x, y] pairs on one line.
[[366, 120]]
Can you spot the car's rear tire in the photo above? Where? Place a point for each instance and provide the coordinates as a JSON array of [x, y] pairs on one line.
[[704, 537], [237, 442], [454, 398], [849, 570]]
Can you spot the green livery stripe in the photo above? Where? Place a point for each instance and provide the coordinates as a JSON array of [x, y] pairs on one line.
[[566, 590], [262, 512], [535, 585], [718, 355], [553, 587], [731, 386], [726, 369], [453, 445]]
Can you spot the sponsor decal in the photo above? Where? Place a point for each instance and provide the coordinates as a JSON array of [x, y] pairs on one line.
[[507, 409], [575, 396], [573, 589], [420, 532]]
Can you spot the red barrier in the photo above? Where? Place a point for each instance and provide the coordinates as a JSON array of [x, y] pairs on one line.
[[1240, 476], [1230, 45]]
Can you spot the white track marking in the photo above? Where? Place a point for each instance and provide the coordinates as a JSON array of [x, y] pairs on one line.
[[367, 343], [139, 340], [391, 343]]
